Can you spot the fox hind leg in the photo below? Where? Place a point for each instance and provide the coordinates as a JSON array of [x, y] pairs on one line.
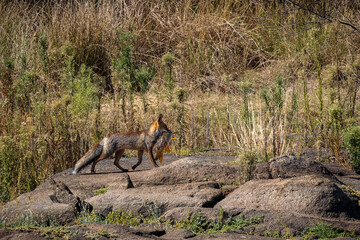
[[140, 155], [118, 155], [101, 157]]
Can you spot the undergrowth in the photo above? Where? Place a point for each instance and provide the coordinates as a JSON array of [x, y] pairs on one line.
[[325, 231], [100, 191], [50, 228], [198, 224], [195, 222]]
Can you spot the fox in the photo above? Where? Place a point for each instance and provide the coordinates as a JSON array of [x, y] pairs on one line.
[[157, 135]]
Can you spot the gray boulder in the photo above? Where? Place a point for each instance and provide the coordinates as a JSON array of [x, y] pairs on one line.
[[183, 183], [155, 200], [288, 167], [189, 169], [293, 193]]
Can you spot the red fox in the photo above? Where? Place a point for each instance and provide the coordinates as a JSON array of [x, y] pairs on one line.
[[117, 143]]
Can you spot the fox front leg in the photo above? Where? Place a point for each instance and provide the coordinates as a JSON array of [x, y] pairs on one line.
[[140, 155], [118, 155], [152, 159], [149, 146]]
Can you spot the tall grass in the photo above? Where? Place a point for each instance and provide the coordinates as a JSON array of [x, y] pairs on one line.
[[72, 72]]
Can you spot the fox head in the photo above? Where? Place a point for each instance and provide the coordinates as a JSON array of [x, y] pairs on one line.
[[159, 135], [158, 127]]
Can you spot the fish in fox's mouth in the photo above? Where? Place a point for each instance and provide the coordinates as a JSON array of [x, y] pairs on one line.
[[162, 143]]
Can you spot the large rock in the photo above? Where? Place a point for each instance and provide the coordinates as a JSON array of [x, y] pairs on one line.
[[311, 195], [184, 183], [178, 234], [288, 167], [155, 200], [293, 192], [53, 203], [189, 169], [15, 235]]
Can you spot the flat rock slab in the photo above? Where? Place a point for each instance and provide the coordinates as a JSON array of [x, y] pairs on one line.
[[288, 167], [177, 183], [189, 169], [155, 200], [311, 195], [178, 234], [38, 206], [15, 235], [183, 213]]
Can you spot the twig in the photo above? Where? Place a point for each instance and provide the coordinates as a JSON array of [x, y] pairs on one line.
[[326, 17]]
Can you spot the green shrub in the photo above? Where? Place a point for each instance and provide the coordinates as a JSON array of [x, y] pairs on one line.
[[352, 143], [9, 152], [115, 217], [85, 96], [198, 224], [100, 191], [322, 231], [246, 161], [123, 218], [167, 62]]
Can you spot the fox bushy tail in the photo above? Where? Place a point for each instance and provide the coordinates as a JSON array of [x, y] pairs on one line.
[[88, 158]]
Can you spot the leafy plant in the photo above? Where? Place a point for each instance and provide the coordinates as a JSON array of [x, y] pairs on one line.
[[245, 89], [351, 137], [334, 133], [198, 224], [100, 191], [274, 100], [85, 96], [167, 62], [321, 230], [86, 217], [123, 218], [246, 161]]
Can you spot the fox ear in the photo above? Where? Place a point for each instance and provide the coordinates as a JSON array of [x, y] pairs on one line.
[[155, 125], [154, 128]]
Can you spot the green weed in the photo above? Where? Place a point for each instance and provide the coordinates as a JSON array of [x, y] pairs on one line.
[[246, 161], [99, 234], [100, 191], [351, 137], [50, 228], [198, 224], [123, 218], [324, 231]]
